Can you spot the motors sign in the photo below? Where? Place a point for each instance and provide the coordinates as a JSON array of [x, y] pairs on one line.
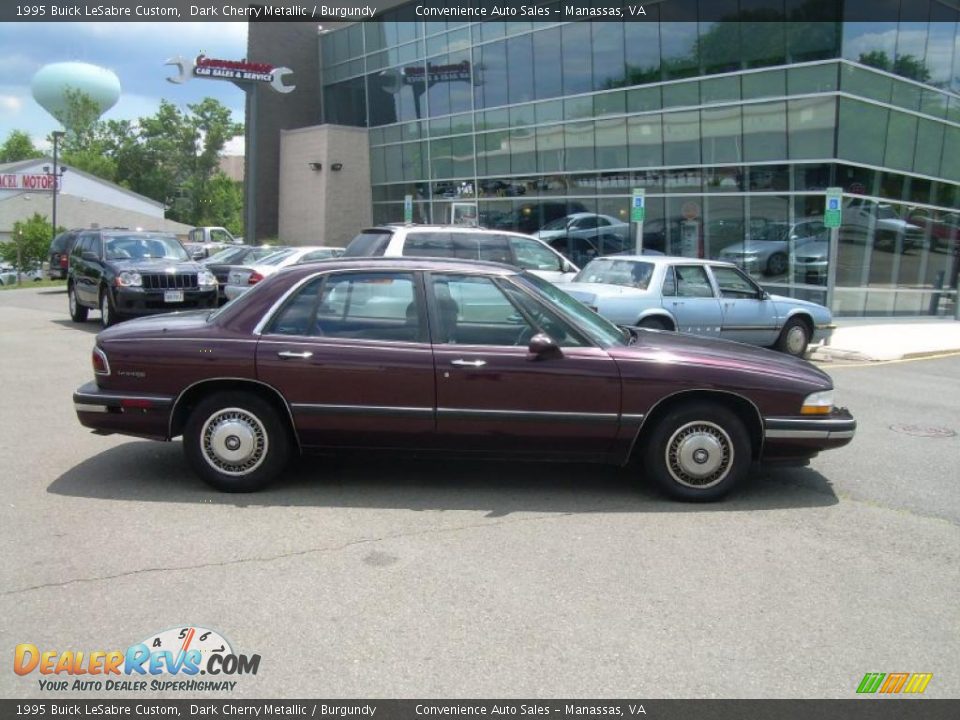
[[27, 181]]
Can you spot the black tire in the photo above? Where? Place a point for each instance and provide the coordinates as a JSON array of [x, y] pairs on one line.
[[794, 338], [653, 323], [777, 264], [108, 311], [699, 452], [78, 312], [262, 442]]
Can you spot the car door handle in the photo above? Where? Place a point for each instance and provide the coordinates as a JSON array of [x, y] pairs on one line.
[[468, 363], [287, 354]]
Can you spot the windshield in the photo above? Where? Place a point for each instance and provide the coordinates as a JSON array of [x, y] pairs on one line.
[[276, 258], [600, 330], [224, 256], [558, 224], [628, 273], [143, 246], [370, 243]]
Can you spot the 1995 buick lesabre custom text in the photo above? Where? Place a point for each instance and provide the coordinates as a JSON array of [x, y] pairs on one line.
[[455, 357]]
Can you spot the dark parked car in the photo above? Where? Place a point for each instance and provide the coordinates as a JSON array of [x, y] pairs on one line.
[[450, 357], [59, 255], [132, 272], [221, 263]]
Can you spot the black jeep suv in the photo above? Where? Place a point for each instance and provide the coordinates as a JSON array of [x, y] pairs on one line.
[[132, 272]]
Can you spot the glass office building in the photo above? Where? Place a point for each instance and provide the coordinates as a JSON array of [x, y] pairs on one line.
[[733, 115]]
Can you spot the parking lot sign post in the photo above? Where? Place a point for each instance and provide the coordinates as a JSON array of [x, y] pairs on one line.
[[408, 208], [832, 217], [638, 210]]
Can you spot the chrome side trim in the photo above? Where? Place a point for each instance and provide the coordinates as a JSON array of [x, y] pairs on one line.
[[86, 407], [797, 434], [107, 399], [477, 413], [319, 408], [629, 417]]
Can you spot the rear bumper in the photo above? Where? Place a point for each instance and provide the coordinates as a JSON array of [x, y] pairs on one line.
[[797, 437], [137, 414]]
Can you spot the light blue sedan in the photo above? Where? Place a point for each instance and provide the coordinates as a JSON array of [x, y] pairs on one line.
[[703, 297]]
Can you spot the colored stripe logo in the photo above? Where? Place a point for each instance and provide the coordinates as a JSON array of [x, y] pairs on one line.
[[894, 683]]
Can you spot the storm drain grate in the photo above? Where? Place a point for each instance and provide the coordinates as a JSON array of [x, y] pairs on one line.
[[924, 431]]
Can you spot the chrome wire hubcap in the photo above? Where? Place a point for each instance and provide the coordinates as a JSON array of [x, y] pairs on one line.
[[699, 454], [234, 441], [795, 339]]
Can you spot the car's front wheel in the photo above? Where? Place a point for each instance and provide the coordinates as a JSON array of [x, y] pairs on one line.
[[108, 312], [78, 312], [794, 338], [236, 442], [698, 452]]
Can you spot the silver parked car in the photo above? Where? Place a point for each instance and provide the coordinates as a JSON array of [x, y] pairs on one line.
[[703, 297], [242, 278], [768, 251]]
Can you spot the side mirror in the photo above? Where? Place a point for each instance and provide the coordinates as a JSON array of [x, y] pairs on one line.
[[569, 267], [542, 347], [89, 256], [764, 295]]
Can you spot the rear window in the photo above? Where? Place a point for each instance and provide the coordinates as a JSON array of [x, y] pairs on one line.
[[370, 243]]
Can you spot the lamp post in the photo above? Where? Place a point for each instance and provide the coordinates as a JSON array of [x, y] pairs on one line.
[[19, 257], [57, 174]]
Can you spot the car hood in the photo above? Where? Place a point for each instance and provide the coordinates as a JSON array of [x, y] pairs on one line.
[[664, 346], [157, 265], [168, 325], [589, 293], [751, 246]]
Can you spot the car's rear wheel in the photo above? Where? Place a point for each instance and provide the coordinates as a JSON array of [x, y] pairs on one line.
[[108, 312], [236, 442], [794, 338], [698, 452], [78, 313]]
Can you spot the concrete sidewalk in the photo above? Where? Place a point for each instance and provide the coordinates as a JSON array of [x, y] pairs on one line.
[[876, 339]]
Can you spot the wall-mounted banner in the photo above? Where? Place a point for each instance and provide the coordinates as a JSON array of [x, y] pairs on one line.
[[232, 70], [27, 181]]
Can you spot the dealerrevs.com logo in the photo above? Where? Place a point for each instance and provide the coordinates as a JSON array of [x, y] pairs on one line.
[[171, 660]]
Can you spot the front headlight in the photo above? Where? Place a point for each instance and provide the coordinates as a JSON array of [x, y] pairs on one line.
[[129, 278], [206, 279], [818, 403]]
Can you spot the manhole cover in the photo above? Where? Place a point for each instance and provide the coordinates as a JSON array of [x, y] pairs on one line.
[[924, 431]]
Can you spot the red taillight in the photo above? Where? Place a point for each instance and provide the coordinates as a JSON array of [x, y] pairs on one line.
[[63, 261], [254, 278], [100, 364]]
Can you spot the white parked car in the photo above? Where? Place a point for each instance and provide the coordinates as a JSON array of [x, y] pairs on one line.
[[242, 278], [464, 243]]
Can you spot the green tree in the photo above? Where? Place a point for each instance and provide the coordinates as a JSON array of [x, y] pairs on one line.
[[18, 146], [30, 242]]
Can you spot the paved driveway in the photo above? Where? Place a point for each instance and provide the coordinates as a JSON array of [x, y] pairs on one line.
[[388, 579]]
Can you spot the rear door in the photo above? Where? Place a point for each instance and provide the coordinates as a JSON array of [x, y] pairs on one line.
[[689, 296], [350, 353]]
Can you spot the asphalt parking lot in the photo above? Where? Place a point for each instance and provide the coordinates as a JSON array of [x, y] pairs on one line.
[[372, 578]]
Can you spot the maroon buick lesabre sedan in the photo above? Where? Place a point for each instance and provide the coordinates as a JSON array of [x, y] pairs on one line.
[[453, 357]]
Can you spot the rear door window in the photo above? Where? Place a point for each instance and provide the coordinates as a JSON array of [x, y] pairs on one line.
[[531, 255]]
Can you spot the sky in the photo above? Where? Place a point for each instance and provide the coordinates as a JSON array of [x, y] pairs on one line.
[[136, 52]]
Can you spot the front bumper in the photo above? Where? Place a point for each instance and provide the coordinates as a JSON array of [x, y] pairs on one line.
[[137, 414], [140, 301], [797, 437]]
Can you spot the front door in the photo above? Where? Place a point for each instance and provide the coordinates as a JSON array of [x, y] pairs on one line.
[[349, 352], [749, 316], [493, 396]]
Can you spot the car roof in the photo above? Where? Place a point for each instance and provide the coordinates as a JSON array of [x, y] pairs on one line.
[[444, 228], [408, 263], [667, 260]]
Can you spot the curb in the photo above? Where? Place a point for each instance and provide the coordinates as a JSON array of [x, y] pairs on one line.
[[829, 354]]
